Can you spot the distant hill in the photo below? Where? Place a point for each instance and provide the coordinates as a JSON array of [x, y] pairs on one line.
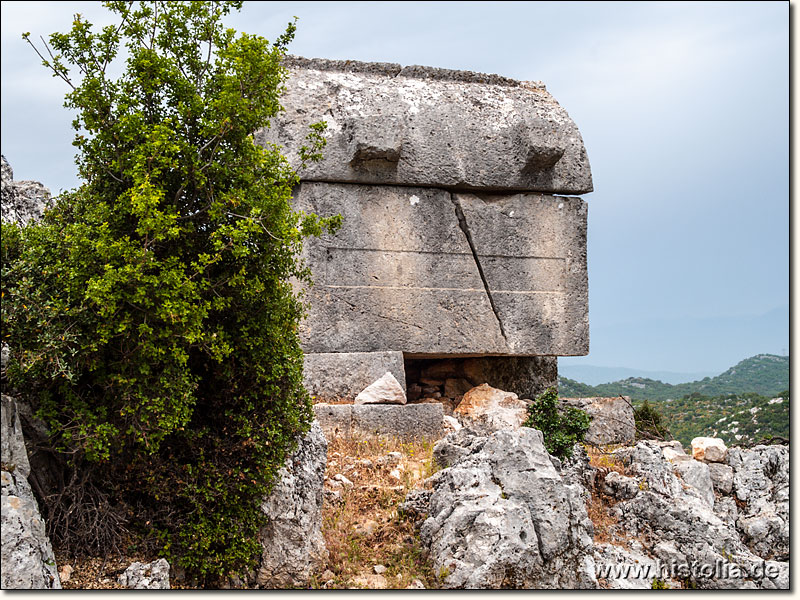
[[597, 375], [743, 405], [763, 374], [739, 419]]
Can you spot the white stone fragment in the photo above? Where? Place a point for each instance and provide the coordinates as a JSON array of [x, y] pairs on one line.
[[709, 449], [385, 390]]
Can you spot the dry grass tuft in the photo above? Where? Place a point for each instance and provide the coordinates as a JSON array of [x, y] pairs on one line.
[[604, 459], [363, 529], [606, 525]]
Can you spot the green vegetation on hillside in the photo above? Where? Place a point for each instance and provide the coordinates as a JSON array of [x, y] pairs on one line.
[[744, 405], [764, 374], [738, 419]]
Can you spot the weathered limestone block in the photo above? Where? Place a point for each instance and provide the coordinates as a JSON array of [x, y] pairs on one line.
[[336, 420], [401, 421], [27, 556], [612, 419], [531, 251], [292, 540], [343, 375], [429, 127], [424, 271]]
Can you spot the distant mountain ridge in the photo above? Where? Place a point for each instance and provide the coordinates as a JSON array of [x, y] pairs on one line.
[[593, 375], [764, 374]]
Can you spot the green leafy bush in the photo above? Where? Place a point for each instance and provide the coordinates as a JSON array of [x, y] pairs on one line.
[[150, 312], [561, 427], [650, 423]]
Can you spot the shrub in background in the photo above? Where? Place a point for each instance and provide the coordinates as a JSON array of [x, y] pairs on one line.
[[150, 312], [561, 426], [650, 423]]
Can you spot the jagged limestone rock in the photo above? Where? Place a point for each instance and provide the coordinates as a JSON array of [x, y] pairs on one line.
[[450, 449], [725, 508], [27, 556], [612, 419], [22, 201], [619, 486], [501, 516], [488, 409], [761, 484], [5, 355], [680, 528], [12, 443], [423, 126], [697, 475], [146, 576], [611, 561], [424, 271], [721, 477], [292, 540], [473, 513]]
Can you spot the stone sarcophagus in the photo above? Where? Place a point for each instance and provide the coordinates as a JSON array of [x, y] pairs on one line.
[[462, 237]]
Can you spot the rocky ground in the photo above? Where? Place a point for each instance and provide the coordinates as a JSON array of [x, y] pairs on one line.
[[486, 506], [370, 544]]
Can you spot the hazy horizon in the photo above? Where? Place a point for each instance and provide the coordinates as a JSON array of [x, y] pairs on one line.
[[598, 374]]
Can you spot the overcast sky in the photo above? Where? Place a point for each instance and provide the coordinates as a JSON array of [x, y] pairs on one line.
[[683, 108]]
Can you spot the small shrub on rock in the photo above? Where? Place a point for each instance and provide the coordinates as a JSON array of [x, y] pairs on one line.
[[650, 423], [561, 426]]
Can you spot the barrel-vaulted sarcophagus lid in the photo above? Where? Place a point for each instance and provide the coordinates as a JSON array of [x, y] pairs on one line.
[[423, 126]]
